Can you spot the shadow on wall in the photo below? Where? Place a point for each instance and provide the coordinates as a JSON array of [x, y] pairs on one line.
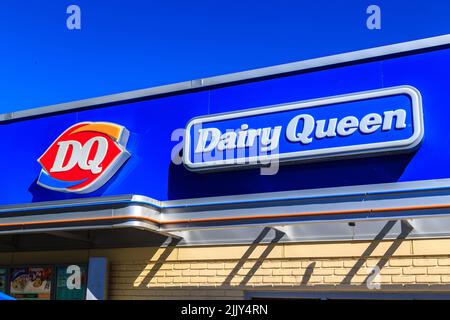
[[239, 279], [370, 170], [277, 237], [147, 275], [406, 229]]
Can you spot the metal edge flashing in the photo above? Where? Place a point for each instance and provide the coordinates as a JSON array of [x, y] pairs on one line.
[[167, 207], [141, 222], [122, 225], [364, 54], [369, 202]]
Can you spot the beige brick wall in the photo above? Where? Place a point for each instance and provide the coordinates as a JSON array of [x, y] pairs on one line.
[[225, 278], [229, 271]]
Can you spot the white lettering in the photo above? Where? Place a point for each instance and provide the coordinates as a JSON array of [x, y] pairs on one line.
[[370, 123], [304, 135], [251, 143], [64, 147], [331, 130], [203, 140], [80, 155], [227, 141], [269, 143], [242, 135], [347, 126], [400, 116], [94, 164]]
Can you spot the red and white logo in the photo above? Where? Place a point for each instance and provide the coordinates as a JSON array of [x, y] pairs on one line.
[[84, 157]]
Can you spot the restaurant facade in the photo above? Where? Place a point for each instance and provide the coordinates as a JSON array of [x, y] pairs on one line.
[[319, 179]]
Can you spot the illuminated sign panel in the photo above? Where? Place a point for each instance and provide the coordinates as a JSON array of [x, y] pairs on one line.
[[379, 121]]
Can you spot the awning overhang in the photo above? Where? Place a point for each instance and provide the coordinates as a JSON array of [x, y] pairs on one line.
[[331, 214]]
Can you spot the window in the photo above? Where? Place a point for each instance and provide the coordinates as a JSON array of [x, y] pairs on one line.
[[34, 282], [3, 279]]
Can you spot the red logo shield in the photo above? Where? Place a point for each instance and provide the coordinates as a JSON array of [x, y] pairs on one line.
[[84, 157]]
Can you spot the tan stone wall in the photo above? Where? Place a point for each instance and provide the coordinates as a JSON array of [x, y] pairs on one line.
[[228, 271]]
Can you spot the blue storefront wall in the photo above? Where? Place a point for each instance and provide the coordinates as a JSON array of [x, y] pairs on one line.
[[150, 172]]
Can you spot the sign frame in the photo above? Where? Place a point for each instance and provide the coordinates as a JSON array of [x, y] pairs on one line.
[[319, 154]]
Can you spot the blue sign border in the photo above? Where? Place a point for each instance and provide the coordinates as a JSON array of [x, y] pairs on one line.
[[341, 151]]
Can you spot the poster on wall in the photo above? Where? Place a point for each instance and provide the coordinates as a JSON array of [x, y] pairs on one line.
[[71, 282], [3, 272], [31, 283]]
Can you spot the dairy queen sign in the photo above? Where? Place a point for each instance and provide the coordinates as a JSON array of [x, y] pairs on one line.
[[377, 121], [84, 157]]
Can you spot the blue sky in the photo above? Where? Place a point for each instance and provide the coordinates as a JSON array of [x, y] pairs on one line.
[[134, 44]]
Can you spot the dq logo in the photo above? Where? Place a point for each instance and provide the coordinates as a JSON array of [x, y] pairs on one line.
[[84, 157]]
